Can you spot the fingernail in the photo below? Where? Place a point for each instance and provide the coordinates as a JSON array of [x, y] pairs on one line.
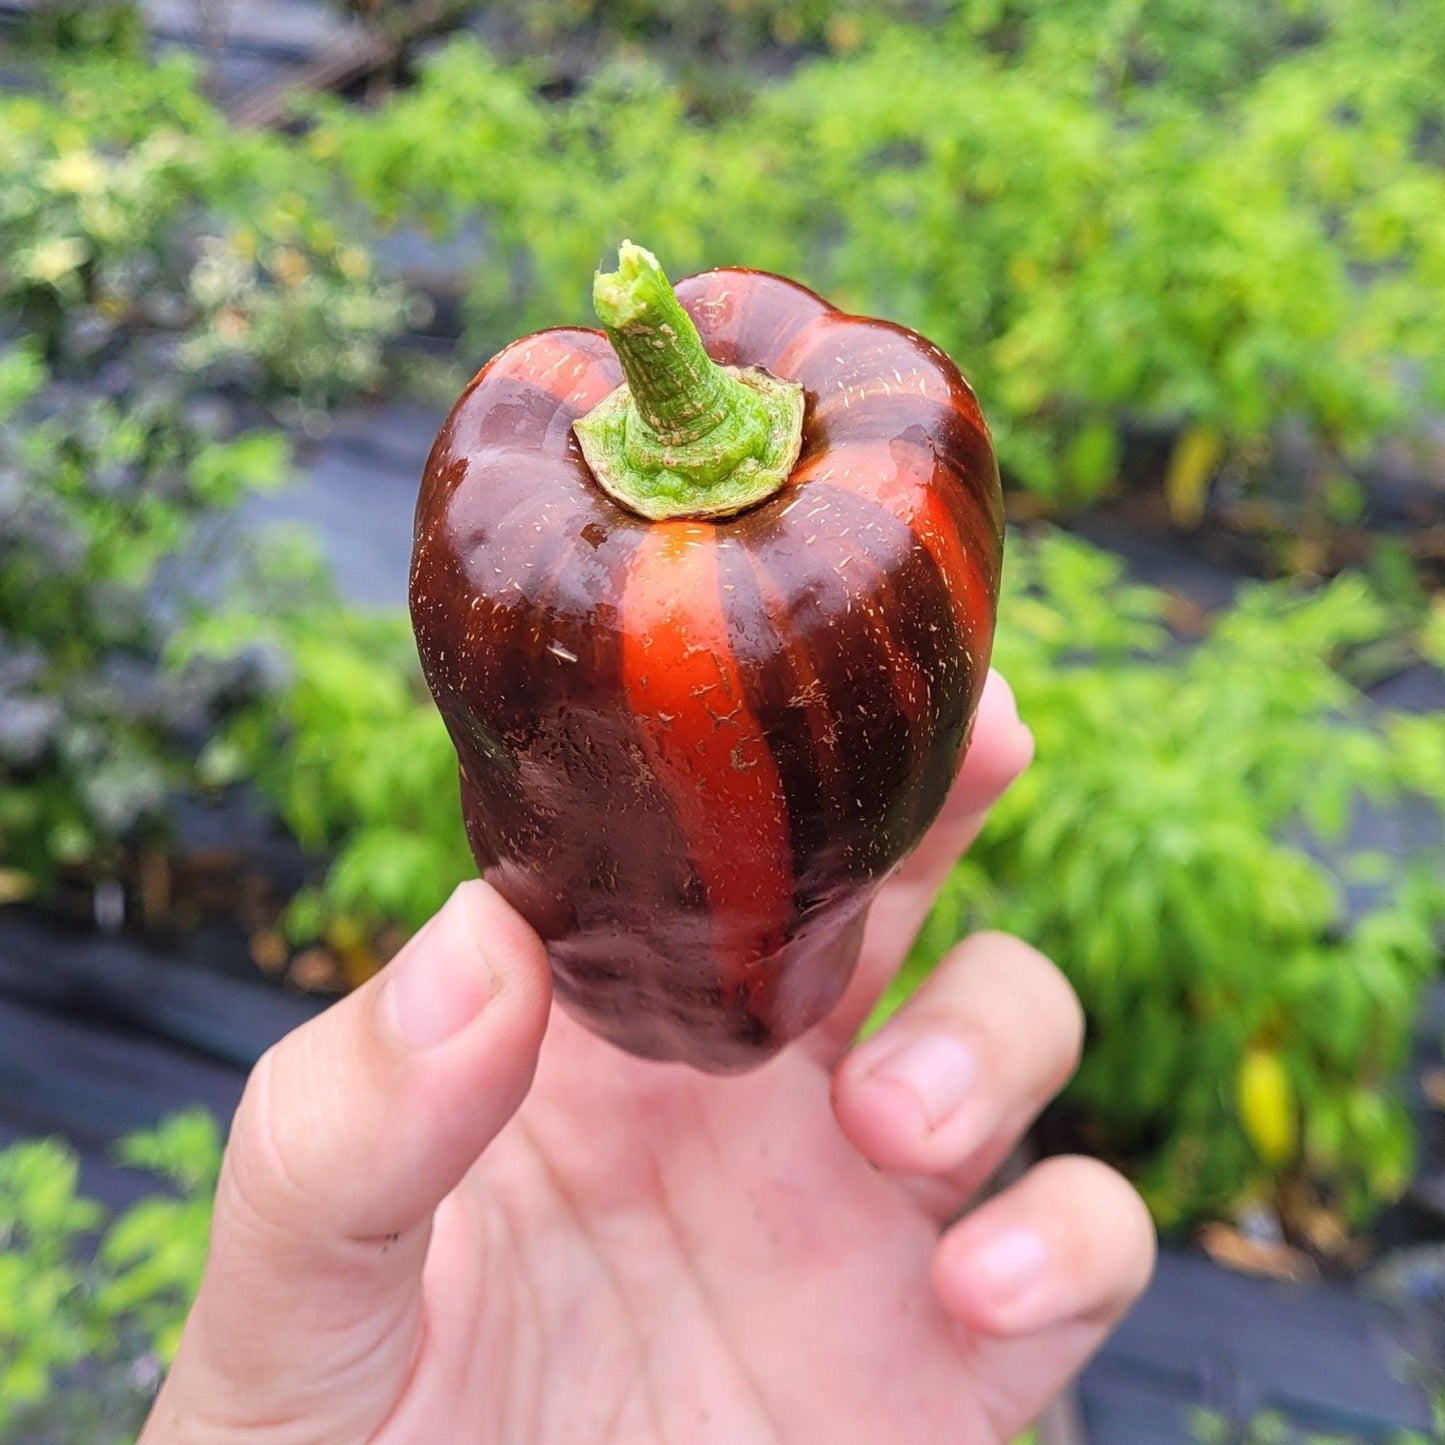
[[1005, 1266], [939, 1068], [440, 981]]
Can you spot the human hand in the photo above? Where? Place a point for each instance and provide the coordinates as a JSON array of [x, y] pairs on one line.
[[415, 1240]]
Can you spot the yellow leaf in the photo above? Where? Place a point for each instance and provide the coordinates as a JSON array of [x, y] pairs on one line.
[[53, 260], [76, 173], [1266, 1102], [14, 885], [352, 946], [1191, 467], [1432, 637]]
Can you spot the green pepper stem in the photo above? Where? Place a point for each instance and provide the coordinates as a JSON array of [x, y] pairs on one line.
[[680, 392], [683, 437]]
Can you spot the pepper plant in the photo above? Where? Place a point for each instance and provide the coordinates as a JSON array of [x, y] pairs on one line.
[[166, 275], [91, 1305], [1122, 242], [1181, 848], [349, 750], [137, 227], [68, 26], [99, 501]]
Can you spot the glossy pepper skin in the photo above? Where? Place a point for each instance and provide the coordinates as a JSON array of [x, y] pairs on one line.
[[692, 749]]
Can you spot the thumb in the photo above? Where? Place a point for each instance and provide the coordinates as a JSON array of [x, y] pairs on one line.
[[351, 1132]]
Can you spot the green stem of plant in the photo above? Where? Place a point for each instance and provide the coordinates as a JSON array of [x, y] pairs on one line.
[[683, 437]]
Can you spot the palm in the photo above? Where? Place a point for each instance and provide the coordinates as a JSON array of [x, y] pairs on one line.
[[672, 1246], [680, 1243]]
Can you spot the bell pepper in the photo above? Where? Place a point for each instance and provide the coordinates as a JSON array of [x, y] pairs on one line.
[[706, 600]]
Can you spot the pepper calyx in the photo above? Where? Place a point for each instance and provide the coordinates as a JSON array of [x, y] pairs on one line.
[[682, 436]]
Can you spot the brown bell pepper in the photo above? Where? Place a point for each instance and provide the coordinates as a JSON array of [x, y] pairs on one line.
[[706, 600]]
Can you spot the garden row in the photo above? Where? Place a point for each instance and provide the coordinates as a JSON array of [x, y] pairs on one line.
[[1170, 238], [1196, 227]]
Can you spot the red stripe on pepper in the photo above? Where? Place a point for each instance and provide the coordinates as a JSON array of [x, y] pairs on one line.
[[707, 749]]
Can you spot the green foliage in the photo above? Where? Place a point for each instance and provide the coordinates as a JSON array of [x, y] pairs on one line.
[[96, 499], [134, 217], [692, 34], [91, 1306], [1432, 638], [351, 752], [68, 26], [153, 1254], [1270, 1428], [1109, 219], [1178, 847], [303, 320], [39, 1211], [153, 258], [561, 183]]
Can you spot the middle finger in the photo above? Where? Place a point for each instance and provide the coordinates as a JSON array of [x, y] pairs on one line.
[[1001, 749]]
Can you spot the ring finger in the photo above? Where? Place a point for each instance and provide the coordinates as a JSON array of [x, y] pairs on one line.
[[943, 1092]]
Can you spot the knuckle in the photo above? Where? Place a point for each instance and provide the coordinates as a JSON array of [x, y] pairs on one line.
[[1024, 986], [267, 1174]]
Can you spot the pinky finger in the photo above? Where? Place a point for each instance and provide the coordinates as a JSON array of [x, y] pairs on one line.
[[1039, 1275]]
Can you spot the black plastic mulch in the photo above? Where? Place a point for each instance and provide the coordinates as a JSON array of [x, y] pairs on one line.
[[100, 1037]]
